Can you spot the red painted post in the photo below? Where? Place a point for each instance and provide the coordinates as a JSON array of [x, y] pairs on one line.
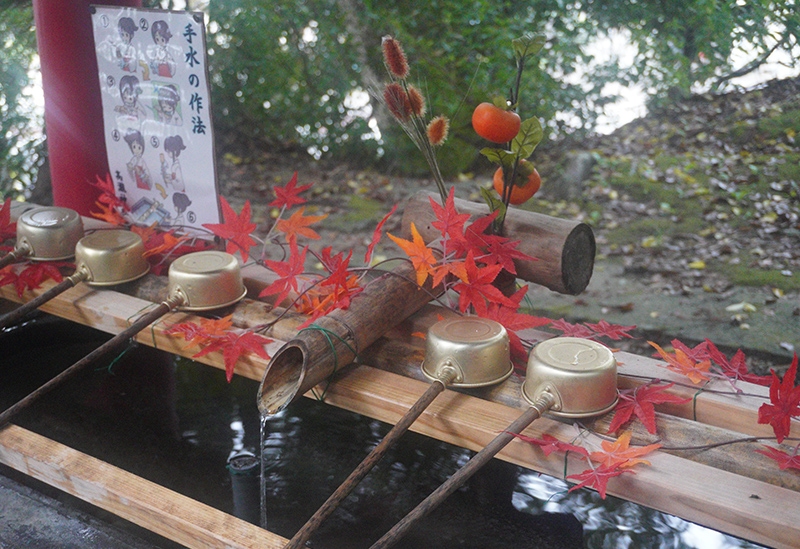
[[73, 112]]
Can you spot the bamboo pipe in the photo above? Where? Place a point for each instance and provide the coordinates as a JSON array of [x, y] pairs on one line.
[[564, 250], [334, 340]]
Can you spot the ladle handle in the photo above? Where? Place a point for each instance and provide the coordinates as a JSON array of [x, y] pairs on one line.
[[18, 313], [462, 475], [70, 372], [365, 466], [14, 255]]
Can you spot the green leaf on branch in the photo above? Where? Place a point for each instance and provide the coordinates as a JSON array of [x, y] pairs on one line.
[[495, 205], [528, 44], [499, 156], [529, 136]]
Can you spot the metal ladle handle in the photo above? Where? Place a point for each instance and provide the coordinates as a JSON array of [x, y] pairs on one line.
[[358, 474], [148, 318], [18, 313], [470, 468], [17, 253]]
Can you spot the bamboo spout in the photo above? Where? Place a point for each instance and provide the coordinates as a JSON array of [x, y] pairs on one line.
[[334, 341]]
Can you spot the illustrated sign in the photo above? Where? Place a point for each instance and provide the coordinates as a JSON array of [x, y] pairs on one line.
[[156, 113]]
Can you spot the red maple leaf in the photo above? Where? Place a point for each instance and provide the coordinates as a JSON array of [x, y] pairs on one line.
[[287, 272], [235, 230], [8, 229], [784, 402], [31, 276], [598, 477], [735, 368], [298, 225], [478, 286], [513, 321], [550, 444], [784, 460], [376, 235], [503, 251], [640, 402], [611, 331], [571, 330], [449, 222], [289, 195], [235, 345]]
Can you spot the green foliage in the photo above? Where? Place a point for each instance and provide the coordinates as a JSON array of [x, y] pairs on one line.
[[21, 142], [281, 73], [690, 42]]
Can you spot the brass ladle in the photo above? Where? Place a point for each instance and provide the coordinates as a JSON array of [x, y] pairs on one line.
[[198, 281], [48, 233], [103, 258], [568, 377], [465, 352]]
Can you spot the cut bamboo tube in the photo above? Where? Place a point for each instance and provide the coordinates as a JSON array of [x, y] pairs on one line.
[[564, 250], [334, 340]]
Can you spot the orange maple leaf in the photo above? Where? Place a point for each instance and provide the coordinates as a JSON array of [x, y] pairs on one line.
[[199, 334], [619, 453], [421, 256], [455, 268], [170, 243], [109, 214], [298, 225], [682, 363]]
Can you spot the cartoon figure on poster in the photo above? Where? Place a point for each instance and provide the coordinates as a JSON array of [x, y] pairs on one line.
[[126, 52], [154, 86], [171, 171], [165, 109], [131, 112], [161, 61], [181, 203], [137, 167]]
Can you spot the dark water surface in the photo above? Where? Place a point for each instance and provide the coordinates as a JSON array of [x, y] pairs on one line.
[[177, 423]]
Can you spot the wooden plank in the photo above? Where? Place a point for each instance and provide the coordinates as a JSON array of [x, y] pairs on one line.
[[167, 513]]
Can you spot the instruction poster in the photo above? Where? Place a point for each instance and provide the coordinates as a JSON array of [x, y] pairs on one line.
[[156, 112]]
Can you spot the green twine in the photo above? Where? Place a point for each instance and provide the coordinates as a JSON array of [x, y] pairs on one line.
[[118, 358], [328, 333]]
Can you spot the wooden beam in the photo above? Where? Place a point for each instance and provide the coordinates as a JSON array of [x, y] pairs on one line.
[[167, 513]]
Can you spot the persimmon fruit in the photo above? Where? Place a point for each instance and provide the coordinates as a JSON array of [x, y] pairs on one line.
[[526, 183], [495, 124]]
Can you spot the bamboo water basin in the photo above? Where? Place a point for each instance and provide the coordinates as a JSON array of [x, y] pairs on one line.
[[730, 489]]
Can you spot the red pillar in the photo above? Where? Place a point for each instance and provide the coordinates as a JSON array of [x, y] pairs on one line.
[[73, 113]]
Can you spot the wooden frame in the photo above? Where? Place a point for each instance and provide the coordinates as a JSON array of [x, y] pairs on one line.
[[756, 502]]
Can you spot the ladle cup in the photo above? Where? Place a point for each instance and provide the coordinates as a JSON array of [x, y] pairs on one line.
[[48, 233], [103, 258], [465, 352], [198, 281], [568, 377]]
